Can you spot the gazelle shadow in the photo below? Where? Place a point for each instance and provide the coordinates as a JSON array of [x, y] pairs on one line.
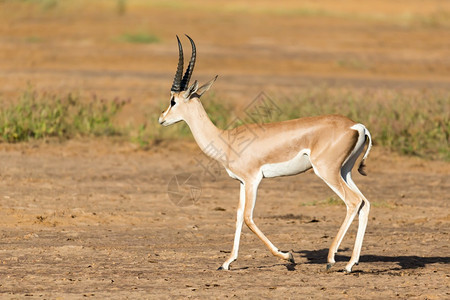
[[404, 262], [289, 266]]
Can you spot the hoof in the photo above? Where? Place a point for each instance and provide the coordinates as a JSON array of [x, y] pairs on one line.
[[347, 270], [222, 268], [291, 258], [329, 265]]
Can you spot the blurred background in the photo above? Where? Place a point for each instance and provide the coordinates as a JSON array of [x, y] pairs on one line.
[[370, 52]]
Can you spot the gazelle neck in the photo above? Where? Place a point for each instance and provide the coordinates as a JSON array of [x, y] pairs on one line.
[[206, 134]]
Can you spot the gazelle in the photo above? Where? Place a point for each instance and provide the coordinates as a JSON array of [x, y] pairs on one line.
[[330, 145]]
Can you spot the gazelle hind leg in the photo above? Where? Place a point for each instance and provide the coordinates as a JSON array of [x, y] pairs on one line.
[[363, 208], [350, 216], [250, 199], [363, 217], [352, 200]]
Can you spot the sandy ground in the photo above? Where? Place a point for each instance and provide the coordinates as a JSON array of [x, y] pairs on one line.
[[83, 219], [98, 218]]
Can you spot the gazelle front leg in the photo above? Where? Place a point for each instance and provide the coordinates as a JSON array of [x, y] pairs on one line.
[[237, 236], [250, 195]]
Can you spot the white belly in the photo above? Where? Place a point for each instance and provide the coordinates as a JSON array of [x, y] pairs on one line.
[[300, 163]]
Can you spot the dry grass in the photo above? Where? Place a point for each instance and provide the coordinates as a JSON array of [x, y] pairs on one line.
[[41, 116], [409, 123], [309, 39], [412, 124]]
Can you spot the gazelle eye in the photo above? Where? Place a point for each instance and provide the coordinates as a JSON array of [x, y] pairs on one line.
[[172, 102]]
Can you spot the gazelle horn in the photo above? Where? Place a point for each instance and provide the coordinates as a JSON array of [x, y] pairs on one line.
[[190, 68], [176, 87]]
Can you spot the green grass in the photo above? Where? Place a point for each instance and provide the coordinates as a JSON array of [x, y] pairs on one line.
[[413, 124], [408, 123], [39, 116], [151, 133], [121, 7], [43, 4], [330, 201], [334, 201], [352, 64], [139, 38], [33, 39], [437, 18]]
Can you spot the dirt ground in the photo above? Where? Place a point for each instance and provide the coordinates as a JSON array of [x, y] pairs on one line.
[[82, 219], [99, 218]]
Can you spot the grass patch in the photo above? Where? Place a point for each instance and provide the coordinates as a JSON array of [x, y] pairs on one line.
[[139, 38], [33, 39], [330, 201], [152, 133], [334, 201], [43, 4], [415, 124], [408, 123], [352, 64], [38, 116], [383, 204]]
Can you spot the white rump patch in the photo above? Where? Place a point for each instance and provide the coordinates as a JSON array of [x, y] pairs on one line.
[[359, 127]]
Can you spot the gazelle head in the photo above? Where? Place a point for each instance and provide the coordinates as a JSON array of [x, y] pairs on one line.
[[182, 96]]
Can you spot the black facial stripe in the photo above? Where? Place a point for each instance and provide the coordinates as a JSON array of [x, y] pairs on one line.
[[172, 102]]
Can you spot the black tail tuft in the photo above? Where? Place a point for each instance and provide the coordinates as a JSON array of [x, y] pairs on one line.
[[361, 169]]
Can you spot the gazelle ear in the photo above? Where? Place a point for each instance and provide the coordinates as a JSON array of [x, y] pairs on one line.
[[191, 90], [205, 87]]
